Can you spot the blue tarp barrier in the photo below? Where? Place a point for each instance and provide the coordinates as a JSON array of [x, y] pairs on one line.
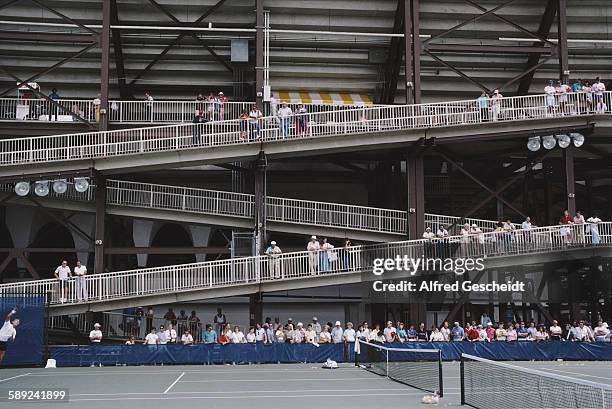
[[28, 347], [288, 353], [513, 351], [194, 354]]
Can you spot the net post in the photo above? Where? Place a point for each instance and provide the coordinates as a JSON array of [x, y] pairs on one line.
[[440, 377], [462, 376]]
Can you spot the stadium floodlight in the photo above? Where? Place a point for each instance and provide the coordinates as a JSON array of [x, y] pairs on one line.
[[81, 185], [41, 188], [22, 188], [578, 139], [549, 142], [60, 186], [534, 144], [563, 140]]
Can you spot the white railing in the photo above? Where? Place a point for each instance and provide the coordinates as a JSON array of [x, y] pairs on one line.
[[349, 121], [156, 112], [260, 269], [297, 211]]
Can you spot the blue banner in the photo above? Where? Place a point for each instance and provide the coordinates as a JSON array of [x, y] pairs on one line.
[[194, 354], [291, 353], [28, 346]]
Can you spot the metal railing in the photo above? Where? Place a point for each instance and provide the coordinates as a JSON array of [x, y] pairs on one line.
[[242, 131], [296, 211], [156, 112], [261, 269]]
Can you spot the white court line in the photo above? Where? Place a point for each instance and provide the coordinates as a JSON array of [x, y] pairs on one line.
[[579, 374], [174, 383], [282, 380], [233, 370], [238, 392], [173, 397], [15, 377]]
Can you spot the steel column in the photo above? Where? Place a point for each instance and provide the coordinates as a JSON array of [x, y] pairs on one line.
[[124, 91], [412, 54], [259, 170], [570, 182], [416, 197], [104, 63], [259, 53], [100, 198], [562, 44], [409, 74], [255, 309]]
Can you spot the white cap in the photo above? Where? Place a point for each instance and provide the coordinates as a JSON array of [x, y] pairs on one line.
[[474, 225], [97, 325], [273, 243], [289, 319], [220, 92], [300, 324], [338, 323], [315, 319], [313, 237]]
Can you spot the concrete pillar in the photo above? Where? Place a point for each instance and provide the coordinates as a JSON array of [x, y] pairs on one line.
[[143, 231], [200, 235], [87, 223]]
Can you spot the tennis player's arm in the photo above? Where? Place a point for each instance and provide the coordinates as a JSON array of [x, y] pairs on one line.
[[11, 312]]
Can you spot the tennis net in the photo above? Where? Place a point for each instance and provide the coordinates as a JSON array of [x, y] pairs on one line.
[[419, 368], [487, 384]]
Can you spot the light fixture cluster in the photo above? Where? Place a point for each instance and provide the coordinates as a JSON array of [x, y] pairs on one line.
[[550, 141], [43, 187]]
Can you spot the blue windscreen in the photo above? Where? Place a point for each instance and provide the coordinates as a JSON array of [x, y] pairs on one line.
[[28, 346]]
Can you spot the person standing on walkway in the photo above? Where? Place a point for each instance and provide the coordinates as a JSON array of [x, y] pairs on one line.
[[81, 284], [220, 321], [63, 274], [313, 254], [274, 265]]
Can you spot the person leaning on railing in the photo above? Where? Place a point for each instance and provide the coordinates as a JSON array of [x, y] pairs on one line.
[[274, 264]]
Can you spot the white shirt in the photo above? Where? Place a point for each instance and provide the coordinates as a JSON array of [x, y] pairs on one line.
[[442, 233], [238, 337], [250, 338], [445, 333], [349, 335], [96, 333], [254, 115], [555, 330], [187, 339], [313, 246], [151, 339], [601, 331], [599, 88], [63, 272], [284, 112], [526, 225], [388, 332], [7, 332], [436, 337], [260, 334], [429, 235], [550, 90], [80, 271], [170, 335]]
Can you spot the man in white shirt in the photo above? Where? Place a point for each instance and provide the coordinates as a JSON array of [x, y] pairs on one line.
[[313, 248], [254, 119], [579, 227], [310, 335], [187, 338], [496, 104], [284, 115], [582, 333], [349, 333], [526, 226], [8, 332], [445, 331], [298, 334], [237, 336], [550, 92], [81, 285], [337, 334], [601, 332], [162, 335], [390, 332], [260, 334], [170, 334], [63, 274], [316, 326], [151, 338], [556, 333], [95, 335], [274, 252], [562, 90], [436, 335]]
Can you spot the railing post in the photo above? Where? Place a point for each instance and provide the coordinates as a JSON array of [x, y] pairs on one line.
[[184, 197], [177, 136], [99, 288], [174, 279], [151, 198]]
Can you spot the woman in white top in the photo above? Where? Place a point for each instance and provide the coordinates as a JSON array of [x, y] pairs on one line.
[[436, 335], [280, 335], [250, 337], [324, 255], [594, 228], [465, 240], [541, 334], [325, 336], [238, 336]]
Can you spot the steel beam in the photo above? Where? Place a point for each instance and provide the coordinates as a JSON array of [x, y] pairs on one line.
[[124, 90], [562, 43], [65, 17], [259, 53], [46, 37], [570, 182], [416, 196], [416, 51], [259, 168], [63, 221], [394, 56], [467, 48], [104, 63], [100, 223], [7, 3], [165, 250], [543, 32]]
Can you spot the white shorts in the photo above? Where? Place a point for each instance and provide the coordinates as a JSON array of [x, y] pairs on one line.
[[550, 100]]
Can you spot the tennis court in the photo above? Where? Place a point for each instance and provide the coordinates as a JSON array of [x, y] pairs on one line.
[[281, 385]]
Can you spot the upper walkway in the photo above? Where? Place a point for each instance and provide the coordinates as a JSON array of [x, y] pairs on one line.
[[371, 128], [241, 276], [222, 208]]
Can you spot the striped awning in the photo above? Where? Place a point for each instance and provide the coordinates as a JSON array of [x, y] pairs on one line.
[[327, 98]]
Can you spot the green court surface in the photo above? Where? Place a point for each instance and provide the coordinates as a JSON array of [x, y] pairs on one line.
[[293, 386]]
